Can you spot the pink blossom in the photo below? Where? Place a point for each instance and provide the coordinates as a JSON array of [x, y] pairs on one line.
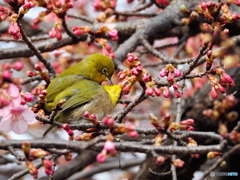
[[17, 120]]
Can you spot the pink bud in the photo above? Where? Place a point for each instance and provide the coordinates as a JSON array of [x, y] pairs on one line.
[[48, 171], [28, 97], [190, 128], [133, 134], [110, 121], [47, 163], [121, 75], [176, 85], [38, 67], [101, 157], [170, 77], [134, 71], [160, 159], [222, 89], [23, 102], [93, 116], [86, 114], [78, 32], [178, 163], [31, 74], [163, 72], [70, 132], [109, 146], [157, 91], [147, 77], [130, 57], [66, 127], [149, 91], [74, 28], [126, 89], [177, 72], [187, 122], [226, 78], [166, 93], [7, 74], [113, 33], [177, 94], [214, 93], [17, 65]]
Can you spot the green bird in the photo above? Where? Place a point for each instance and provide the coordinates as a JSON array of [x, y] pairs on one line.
[[80, 88]]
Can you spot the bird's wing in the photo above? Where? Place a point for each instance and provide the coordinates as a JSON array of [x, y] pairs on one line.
[[56, 86], [80, 94]]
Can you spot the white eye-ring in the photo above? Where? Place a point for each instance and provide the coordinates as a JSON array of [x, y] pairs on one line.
[[104, 71]]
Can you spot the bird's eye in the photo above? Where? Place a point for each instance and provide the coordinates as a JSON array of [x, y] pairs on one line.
[[104, 71]]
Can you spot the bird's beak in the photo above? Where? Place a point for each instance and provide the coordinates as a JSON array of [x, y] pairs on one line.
[[109, 80]]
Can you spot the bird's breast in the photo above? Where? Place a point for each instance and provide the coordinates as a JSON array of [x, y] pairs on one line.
[[101, 105]]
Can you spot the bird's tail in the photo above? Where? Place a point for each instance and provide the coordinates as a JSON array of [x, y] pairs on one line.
[[47, 131]]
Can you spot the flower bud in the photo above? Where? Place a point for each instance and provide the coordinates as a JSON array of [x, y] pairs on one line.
[[17, 65], [109, 146], [28, 97], [101, 157], [178, 163]]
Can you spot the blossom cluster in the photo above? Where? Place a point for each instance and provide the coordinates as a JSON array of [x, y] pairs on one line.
[[219, 85], [107, 8], [35, 154], [170, 72], [135, 73]]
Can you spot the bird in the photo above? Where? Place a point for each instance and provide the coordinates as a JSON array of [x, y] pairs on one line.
[[79, 88]]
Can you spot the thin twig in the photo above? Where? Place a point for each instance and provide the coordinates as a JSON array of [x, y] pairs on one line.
[[83, 18], [130, 106], [14, 153], [70, 33], [32, 79], [36, 51]]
